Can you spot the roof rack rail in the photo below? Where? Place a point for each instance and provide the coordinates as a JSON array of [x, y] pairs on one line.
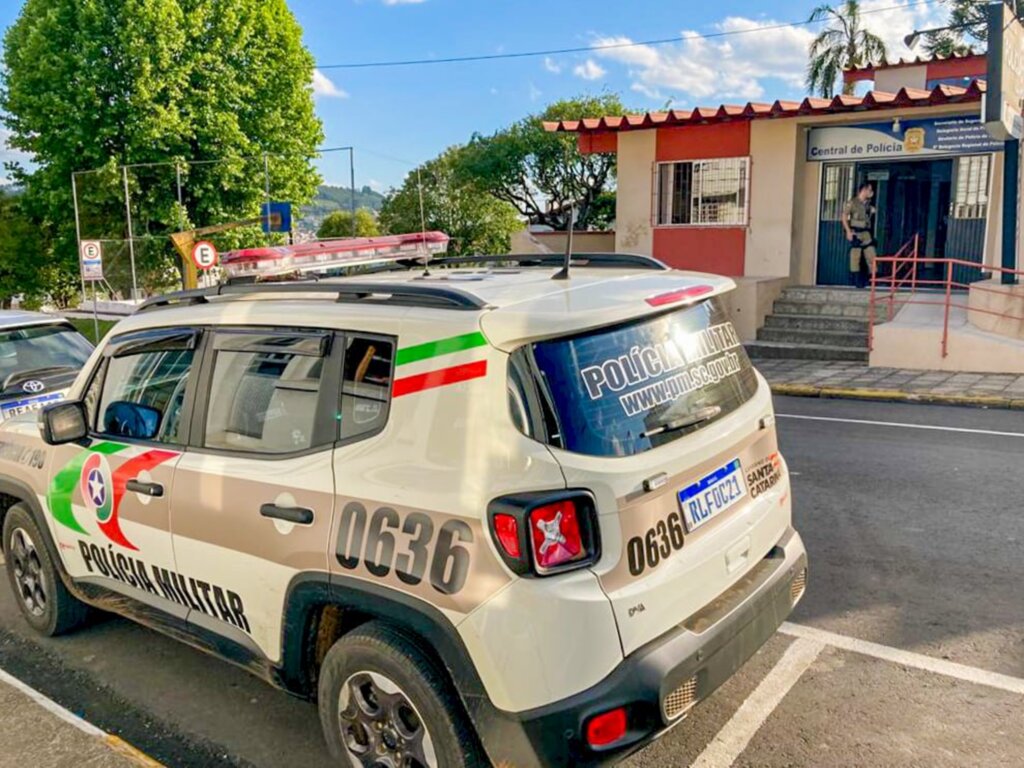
[[441, 297], [601, 260]]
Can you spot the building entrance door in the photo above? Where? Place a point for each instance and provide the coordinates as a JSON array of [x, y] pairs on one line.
[[911, 198]]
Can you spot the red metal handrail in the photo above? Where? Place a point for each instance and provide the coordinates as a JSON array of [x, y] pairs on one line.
[[908, 262]]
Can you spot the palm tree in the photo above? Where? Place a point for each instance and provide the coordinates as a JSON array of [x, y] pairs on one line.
[[842, 44]]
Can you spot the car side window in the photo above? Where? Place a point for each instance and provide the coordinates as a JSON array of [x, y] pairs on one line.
[[143, 395], [366, 385], [265, 392]]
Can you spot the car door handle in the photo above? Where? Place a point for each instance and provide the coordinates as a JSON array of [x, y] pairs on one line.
[[146, 489], [300, 515]]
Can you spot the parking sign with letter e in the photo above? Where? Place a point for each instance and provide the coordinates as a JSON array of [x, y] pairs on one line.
[[204, 255]]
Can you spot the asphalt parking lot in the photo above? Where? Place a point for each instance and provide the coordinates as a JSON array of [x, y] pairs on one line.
[[907, 650]]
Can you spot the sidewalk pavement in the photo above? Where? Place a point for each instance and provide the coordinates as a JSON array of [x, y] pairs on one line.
[[812, 378], [35, 731]]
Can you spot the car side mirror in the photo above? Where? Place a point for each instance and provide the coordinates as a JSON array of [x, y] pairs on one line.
[[64, 423]]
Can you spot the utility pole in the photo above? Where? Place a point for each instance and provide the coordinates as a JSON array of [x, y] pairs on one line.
[[352, 184], [131, 239]]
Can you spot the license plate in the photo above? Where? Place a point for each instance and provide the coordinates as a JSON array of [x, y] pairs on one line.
[[712, 495], [15, 407]]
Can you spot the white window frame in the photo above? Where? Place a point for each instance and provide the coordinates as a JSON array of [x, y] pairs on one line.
[[744, 164]]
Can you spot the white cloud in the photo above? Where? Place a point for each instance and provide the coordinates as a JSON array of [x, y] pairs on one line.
[[893, 21], [552, 66], [535, 92], [402, 2], [322, 86], [589, 70], [375, 184], [10, 155], [738, 66]]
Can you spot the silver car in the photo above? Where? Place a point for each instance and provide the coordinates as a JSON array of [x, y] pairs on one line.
[[40, 355]]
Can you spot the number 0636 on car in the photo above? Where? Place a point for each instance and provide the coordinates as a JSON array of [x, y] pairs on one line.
[[712, 494]]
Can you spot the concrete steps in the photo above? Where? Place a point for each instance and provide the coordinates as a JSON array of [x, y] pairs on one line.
[[781, 349], [813, 336], [817, 323], [812, 323]]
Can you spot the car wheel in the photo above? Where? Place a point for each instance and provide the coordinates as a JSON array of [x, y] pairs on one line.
[[385, 704], [41, 595]]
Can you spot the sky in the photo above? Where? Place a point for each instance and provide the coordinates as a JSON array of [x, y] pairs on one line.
[[398, 117]]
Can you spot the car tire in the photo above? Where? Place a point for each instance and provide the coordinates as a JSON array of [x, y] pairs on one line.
[[383, 701], [44, 601]]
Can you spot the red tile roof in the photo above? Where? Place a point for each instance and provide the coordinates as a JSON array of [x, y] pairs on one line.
[[915, 62], [905, 97]]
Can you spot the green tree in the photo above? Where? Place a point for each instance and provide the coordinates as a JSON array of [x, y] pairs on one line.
[[842, 44], [475, 221], [339, 224], [542, 174], [94, 84], [968, 17], [21, 252]]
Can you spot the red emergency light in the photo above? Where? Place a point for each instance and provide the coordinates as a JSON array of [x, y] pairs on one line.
[[328, 254]]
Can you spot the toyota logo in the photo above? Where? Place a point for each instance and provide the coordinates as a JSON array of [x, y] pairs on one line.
[[33, 386]]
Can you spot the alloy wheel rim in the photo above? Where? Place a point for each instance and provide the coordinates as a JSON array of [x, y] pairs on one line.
[[29, 577], [380, 726]]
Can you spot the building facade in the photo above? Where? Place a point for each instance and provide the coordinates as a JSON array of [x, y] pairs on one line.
[[756, 191]]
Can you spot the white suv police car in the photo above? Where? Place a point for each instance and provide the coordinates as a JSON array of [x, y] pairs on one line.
[[40, 355], [482, 515]]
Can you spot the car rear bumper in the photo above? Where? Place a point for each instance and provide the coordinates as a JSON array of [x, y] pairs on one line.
[[690, 661]]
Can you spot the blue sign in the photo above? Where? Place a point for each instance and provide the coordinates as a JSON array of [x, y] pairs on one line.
[[277, 217], [954, 135]]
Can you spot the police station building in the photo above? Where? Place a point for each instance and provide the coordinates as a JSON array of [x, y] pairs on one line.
[[756, 191]]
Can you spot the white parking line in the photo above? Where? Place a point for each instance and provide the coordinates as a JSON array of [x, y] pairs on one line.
[[900, 424], [51, 706], [115, 743], [906, 658], [745, 722]]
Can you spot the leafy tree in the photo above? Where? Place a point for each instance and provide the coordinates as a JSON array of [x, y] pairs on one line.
[[542, 174], [94, 84], [339, 224], [475, 221], [844, 43], [970, 22], [21, 252]]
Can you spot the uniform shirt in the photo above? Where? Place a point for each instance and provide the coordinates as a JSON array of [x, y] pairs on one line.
[[858, 213]]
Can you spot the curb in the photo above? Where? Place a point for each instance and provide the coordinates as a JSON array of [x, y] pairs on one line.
[[898, 396]]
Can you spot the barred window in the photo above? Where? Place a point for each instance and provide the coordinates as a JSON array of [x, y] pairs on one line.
[[702, 192], [837, 188], [970, 192]]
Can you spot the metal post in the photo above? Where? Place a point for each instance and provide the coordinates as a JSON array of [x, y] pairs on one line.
[[181, 205], [131, 240], [352, 183], [949, 298], [78, 239], [266, 189], [1011, 201]]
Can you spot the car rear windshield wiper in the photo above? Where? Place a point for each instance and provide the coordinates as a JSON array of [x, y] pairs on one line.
[[34, 373], [689, 420]]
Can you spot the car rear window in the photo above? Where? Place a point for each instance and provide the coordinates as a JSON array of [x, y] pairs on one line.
[[626, 389]]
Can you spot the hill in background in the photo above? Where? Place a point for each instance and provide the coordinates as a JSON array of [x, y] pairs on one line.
[[330, 198]]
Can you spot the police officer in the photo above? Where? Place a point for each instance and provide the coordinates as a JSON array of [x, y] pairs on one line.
[[858, 214]]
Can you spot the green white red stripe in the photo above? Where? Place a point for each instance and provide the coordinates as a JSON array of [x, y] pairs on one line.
[[443, 376]]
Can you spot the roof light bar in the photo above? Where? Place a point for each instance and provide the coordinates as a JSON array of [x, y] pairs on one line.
[[332, 254]]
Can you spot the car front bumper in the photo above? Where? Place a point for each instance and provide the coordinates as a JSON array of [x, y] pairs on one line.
[[688, 663]]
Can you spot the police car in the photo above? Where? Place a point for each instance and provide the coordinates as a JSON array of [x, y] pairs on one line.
[[40, 355], [483, 512]]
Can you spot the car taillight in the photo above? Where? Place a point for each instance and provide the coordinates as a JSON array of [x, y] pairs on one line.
[[555, 531], [546, 532], [606, 728], [506, 531]]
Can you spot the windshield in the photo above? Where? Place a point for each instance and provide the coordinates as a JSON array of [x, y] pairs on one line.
[[624, 390], [53, 350]]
